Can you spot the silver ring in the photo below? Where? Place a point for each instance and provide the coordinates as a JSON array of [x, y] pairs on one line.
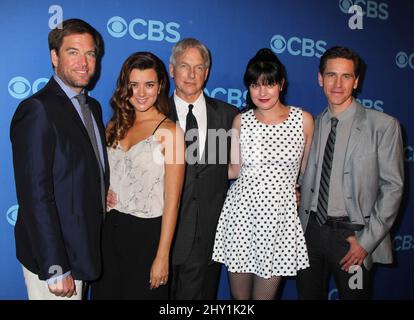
[[161, 282]]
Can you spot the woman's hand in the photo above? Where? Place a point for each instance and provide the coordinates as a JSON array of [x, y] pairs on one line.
[[159, 272], [110, 200]]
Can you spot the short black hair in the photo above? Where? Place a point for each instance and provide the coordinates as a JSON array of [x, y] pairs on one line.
[[73, 26], [341, 52], [265, 68]]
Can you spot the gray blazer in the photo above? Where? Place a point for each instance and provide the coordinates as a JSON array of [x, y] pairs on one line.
[[372, 182]]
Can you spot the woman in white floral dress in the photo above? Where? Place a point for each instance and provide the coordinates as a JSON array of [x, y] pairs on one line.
[[146, 159]]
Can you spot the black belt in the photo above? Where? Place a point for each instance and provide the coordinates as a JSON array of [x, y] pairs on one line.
[[342, 223]]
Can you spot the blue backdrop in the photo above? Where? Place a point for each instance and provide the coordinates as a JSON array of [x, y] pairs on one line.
[[298, 31]]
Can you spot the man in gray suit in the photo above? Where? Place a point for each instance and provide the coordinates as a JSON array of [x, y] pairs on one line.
[[352, 186]]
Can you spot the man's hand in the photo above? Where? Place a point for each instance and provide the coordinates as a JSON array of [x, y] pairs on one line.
[[64, 288], [297, 189], [355, 255]]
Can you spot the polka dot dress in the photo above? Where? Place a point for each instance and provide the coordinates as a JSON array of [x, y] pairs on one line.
[[259, 230]]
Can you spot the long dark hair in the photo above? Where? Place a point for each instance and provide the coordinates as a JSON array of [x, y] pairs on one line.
[[123, 112]]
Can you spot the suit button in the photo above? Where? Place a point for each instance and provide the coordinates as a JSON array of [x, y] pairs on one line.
[[197, 175], [349, 197], [194, 198], [311, 190]]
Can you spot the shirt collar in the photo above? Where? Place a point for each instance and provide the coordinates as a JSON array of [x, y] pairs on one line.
[[182, 106], [344, 115], [69, 92]]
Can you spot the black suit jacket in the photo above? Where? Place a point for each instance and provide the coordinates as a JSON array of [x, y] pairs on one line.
[[205, 185], [58, 186]]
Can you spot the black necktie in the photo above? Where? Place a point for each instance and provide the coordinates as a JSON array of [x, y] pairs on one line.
[[191, 135], [322, 210], [87, 118]]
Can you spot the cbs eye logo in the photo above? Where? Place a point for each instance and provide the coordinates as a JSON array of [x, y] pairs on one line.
[[298, 46], [403, 59], [344, 5], [11, 214], [233, 96], [140, 29], [117, 27], [371, 8], [20, 88], [278, 44]]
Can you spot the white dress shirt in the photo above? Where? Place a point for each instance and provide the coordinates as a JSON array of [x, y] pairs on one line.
[[199, 111]]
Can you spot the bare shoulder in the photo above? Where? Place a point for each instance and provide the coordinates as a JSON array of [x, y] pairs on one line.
[[237, 121], [308, 123], [169, 127], [307, 116]]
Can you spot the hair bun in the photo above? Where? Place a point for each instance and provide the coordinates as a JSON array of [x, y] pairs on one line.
[[265, 54]]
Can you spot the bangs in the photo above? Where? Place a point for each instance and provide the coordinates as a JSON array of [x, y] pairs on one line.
[[266, 79], [263, 73]]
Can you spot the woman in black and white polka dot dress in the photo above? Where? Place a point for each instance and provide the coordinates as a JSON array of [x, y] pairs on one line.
[[259, 237]]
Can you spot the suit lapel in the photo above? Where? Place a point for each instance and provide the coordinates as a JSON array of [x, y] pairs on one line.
[[173, 112], [67, 109], [69, 112], [317, 135], [174, 117], [213, 121], [101, 129], [356, 129]]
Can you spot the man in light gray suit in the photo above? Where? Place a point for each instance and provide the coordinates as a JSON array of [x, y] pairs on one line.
[[352, 186]]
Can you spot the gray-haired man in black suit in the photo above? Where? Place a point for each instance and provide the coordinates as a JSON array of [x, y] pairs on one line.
[[195, 275]]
